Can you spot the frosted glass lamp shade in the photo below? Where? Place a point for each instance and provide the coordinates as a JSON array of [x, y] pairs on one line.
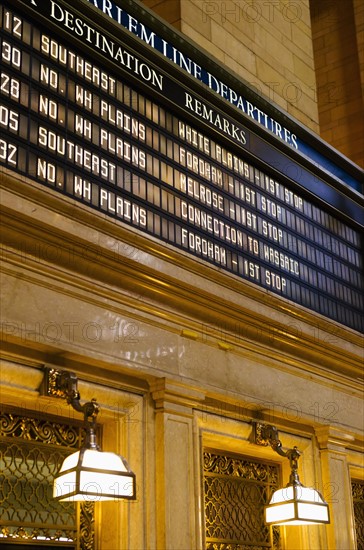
[[296, 505], [93, 475]]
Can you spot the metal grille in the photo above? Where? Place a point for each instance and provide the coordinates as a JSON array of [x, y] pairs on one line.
[[31, 453], [236, 490], [358, 500]]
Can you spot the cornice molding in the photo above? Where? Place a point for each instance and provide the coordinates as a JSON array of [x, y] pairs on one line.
[[336, 439], [166, 287], [175, 397]]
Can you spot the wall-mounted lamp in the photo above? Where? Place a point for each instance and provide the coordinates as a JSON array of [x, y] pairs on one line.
[[88, 474], [295, 504]]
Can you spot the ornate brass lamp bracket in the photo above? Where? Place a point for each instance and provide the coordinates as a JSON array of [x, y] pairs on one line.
[[296, 504], [266, 434], [89, 473], [59, 383], [63, 384]]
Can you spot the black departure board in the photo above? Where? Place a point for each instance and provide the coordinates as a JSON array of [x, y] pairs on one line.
[[91, 133]]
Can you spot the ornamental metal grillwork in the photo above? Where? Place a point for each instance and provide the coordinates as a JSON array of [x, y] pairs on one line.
[[358, 500], [236, 491], [31, 453]]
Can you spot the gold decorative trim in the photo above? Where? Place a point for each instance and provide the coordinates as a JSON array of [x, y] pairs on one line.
[[358, 504], [32, 450], [235, 492]]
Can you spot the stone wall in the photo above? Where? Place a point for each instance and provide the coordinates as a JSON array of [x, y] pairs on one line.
[[339, 84], [268, 44]]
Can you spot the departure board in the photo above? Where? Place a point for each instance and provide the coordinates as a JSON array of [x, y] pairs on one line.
[[89, 132]]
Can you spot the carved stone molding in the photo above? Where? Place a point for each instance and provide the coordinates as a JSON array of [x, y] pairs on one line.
[[175, 397], [334, 439]]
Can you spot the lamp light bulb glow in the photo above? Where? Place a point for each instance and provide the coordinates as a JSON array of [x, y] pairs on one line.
[[94, 475]]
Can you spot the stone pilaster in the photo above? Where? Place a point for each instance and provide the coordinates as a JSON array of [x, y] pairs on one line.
[[337, 486], [175, 476]]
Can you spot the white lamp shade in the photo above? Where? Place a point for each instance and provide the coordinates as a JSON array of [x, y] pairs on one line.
[[296, 505], [94, 475]]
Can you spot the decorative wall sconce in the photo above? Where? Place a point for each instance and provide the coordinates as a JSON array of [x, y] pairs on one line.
[[294, 504], [88, 474]]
